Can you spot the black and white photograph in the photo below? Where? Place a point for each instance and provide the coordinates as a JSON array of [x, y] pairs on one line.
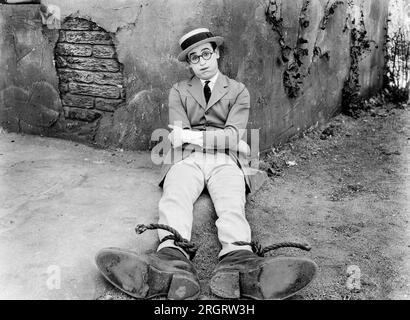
[[227, 152]]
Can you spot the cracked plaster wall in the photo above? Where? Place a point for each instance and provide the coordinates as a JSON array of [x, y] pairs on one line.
[[294, 57]]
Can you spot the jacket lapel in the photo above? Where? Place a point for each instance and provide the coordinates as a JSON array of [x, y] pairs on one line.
[[196, 90], [218, 91]]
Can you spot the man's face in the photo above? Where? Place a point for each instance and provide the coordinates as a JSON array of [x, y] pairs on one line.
[[204, 69]]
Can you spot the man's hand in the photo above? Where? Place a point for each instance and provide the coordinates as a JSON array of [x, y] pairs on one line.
[[179, 136], [243, 148], [175, 137]]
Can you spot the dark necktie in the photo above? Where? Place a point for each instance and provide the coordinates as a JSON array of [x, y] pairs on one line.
[[207, 91]]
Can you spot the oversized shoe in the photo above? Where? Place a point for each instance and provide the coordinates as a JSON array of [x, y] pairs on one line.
[[244, 274], [165, 273]]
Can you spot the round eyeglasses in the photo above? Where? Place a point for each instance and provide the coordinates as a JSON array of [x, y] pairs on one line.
[[206, 55]]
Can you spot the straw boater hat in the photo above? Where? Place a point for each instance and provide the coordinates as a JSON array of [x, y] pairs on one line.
[[195, 38]]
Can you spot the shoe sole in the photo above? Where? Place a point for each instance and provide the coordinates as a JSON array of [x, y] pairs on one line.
[[277, 278], [134, 275]]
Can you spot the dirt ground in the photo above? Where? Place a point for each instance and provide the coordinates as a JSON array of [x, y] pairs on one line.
[[343, 188]]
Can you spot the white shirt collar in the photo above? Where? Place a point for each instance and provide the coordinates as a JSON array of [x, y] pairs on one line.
[[212, 81]]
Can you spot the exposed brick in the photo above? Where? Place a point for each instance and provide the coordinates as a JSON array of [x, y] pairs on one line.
[[68, 75], [67, 49], [88, 37], [91, 64], [81, 114], [63, 87], [78, 101], [60, 62], [108, 78], [107, 104], [61, 37], [74, 124], [95, 90], [91, 80], [79, 24], [100, 51]]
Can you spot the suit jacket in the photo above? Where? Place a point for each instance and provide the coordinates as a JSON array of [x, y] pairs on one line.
[[221, 120]]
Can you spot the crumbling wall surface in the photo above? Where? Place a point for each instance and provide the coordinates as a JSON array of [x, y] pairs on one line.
[[299, 59], [29, 98], [91, 81]]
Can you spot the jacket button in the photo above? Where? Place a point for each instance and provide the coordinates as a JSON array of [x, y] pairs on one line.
[[206, 112]]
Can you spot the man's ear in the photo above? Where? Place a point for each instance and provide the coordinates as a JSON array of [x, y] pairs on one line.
[[217, 53]]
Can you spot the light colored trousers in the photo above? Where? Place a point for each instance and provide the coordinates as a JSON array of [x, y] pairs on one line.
[[225, 182]]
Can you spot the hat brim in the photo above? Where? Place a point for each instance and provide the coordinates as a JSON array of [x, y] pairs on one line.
[[218, 40]]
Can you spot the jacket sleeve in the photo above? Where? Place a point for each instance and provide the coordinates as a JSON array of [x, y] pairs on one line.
[[177, 113], [235, 125]]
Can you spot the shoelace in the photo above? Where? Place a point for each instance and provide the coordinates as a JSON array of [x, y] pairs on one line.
[[261, 251], [179, 241]]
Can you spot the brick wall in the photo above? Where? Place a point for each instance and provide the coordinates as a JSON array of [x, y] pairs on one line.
[[91, 78]]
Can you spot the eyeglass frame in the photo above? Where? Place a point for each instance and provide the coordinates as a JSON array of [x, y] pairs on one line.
[[201, 56]]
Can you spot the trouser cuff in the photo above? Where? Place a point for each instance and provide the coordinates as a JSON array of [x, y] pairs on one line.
[[171, 244], [230, 247]]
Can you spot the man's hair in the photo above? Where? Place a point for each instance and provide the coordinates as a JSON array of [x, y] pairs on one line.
[[214, 45]]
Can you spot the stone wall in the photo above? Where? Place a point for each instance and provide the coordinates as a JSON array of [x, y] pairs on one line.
[[299, 59]]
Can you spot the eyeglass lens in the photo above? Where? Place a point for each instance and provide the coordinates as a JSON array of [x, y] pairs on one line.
[[206, 55]]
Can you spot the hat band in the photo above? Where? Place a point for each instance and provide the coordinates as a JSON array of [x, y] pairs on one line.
[[195, 38]]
